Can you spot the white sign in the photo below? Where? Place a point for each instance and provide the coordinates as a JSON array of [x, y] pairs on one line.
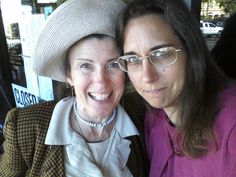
[[46, 1], [30, 26], [23, 97]]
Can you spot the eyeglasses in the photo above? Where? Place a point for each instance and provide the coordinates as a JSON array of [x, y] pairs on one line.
[[161, 57]]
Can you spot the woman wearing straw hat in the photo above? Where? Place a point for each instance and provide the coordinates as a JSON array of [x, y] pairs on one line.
[[89, 135]]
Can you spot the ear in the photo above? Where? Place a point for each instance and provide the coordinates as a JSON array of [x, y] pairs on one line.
[[69, 80]]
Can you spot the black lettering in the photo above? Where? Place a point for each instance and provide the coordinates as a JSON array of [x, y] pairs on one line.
[[23, 98], [34, 99], [26, 99], [17, 96]]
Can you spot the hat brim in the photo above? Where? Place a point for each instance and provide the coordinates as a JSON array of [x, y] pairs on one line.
[[70, 22]]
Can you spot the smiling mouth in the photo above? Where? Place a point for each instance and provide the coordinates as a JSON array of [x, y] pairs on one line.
[[100, 96]]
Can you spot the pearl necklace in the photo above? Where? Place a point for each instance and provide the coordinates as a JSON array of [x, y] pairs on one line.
[[90, 123]]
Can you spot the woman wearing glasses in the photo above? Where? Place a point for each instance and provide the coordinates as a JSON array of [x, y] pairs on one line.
[[191, 124]]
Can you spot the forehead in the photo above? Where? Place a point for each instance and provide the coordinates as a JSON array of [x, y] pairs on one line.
[[94, 47], [149, 30]]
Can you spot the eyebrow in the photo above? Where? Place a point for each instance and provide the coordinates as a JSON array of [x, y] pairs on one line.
[[89, 60], [151, 49], [83, 59]]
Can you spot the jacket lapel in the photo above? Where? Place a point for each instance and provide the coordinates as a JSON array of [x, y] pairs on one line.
[[137, 162], [54, 162]]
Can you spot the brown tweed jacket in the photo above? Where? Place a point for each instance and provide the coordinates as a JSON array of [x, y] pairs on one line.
[[25, 153]]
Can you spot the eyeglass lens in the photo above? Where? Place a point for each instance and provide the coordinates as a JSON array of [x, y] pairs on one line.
[[160, 57]]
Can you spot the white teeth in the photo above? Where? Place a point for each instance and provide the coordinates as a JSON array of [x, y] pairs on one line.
[[100, 97]]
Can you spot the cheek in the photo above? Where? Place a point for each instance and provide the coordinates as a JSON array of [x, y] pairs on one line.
[[177, 77], [135, 80], [78, 80], [80, 88], [119, 81], [117, 84], [80, 83], [181, 71]]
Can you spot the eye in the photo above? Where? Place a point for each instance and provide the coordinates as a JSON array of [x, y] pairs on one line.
[[132, 59], [112, 65], [161, 53], [86, 67]]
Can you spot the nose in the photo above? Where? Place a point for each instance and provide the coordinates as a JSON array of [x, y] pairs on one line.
[[149, 72], [101, 77]]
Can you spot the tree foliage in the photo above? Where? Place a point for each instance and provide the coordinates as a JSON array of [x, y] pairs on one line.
[[125, 1], [229, 6]]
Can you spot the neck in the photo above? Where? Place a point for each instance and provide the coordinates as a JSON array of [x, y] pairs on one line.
[[172, 114], [91, 123], [91, 131], [91, 134]]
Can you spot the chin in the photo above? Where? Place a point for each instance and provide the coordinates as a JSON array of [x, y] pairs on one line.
[[156, 105]]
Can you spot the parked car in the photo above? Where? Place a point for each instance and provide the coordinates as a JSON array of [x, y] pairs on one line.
[[209, 29], [220, 23]]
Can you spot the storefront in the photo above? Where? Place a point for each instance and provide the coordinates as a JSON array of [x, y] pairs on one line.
[[23, 21]]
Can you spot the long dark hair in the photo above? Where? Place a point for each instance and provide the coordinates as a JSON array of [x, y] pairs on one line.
[[197, 101]]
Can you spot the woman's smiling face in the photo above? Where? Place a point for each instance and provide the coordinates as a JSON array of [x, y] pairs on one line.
[[95, 76]]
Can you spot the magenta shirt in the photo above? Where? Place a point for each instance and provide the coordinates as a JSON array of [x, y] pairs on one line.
[[166, 163]]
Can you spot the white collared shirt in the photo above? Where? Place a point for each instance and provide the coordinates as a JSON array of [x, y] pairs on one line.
[[81, 158]]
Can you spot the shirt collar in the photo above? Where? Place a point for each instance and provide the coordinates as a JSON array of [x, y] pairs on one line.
[[124, 125], [60, 131]]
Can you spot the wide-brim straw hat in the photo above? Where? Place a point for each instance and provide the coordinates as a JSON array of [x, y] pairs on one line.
[[70, 22]]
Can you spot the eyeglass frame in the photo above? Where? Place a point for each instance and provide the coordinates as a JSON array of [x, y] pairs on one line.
[[148, 57]]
